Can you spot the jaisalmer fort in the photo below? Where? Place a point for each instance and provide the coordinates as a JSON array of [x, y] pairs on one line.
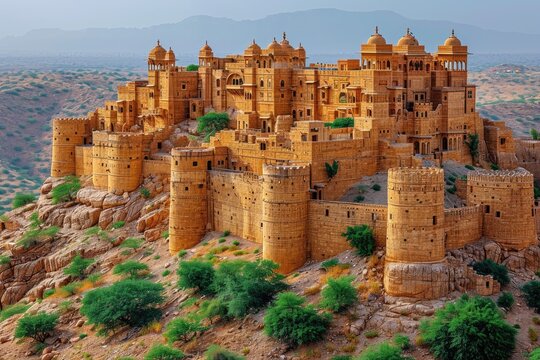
[[266, 179]]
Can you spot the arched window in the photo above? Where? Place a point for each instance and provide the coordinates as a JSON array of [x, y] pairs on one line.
[[282, 83], [388, 64], [218, 82], [262, 83]]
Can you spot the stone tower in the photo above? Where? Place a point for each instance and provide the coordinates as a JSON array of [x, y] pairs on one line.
[[188, 217], [507, 198], [67, 134], [285, 212], [415, 250]]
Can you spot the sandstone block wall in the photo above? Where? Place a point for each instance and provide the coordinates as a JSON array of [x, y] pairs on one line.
[[67, 134], [463, 226]]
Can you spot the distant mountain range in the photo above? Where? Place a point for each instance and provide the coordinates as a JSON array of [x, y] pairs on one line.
[[321, 31]]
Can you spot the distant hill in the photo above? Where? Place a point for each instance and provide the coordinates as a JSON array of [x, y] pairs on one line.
[[321, 31]]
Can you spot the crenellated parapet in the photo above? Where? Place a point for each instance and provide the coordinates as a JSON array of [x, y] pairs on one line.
[[285, 215], [507, 199], [67, 134]]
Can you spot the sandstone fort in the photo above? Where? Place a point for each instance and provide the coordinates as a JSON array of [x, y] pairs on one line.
[[265, 178]]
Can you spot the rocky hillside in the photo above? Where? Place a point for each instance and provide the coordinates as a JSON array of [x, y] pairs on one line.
[[38, 241]]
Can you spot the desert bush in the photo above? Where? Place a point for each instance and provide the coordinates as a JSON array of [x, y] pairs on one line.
[[145, 193], [192, 67], [376, 187], [533, 335], [226, 233], [236, 242], [66, 191], [331, 169], [183, 329], [33, 236], [37, 327], [360, 237], [339, 294], [221, 240], [382, 351], [535, 354], [329, 263], [402, 341], [165, 234], [209, 124], [163, 352], [127, 302], [245, 286], [215, 352], [340, 123], [182, 253], [371, 334], [469, 328], [165, 272], [289, 320], [11, 310], [118, 225], [531, 293], [4, 260], [131, 243], [131, 269], [505, 300], [214, 308], [78, 266], [196, 274], [22, 199], [489, 267]]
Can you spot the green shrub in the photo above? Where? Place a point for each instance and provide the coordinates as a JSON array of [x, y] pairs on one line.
[[221, 240], [489, 267], [215, 352], [226, 233], [360, 237], [340, 123], [4, 260], [48, 293], [473, 142], [37, 327], [131, 243], [376, 187], [163, 352], [535, 354], [359, 198], [236, 242], [327, 264], [382, 351], [78, 266], [196, 274], [127, 302], [289, 320], [494, 166], [33, 236], [331, 169], [66, 191], [145, 193], [22, 199], [131, 269], [342, 357], [371, 334], [71, 288], [470, 167], [214, 308], [182, 253], [534, 134], [118, 225], [339, 294], [192, 67], [531, 293], [165, 272], [211, 123], [183, 329], [245, 286], [505, 300], [469, 328], [165, 234], [533, 335], [402, 341], [11, 310]]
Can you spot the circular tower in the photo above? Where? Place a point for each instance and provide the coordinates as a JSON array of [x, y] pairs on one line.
[[100, 164], [507, 197], [67, 133], [415, 248], [285, 213], [188, 217], [125, 162]]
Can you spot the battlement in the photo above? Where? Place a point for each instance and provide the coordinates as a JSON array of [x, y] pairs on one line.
[[518, 175], [463, 211], [188, 153], [286, 170], [416, 175], [63, 120]]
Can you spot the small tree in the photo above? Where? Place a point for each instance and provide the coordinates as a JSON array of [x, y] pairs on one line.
[[341, 123], [78, 266], [215, 352], [531, 293], [212, 309], [469, 329], [163, 352], [339, 294], [489, 267], [535, 354], [183, 329], [331, 170], [535, 135], [127, 302], [66, 191], [473, 144], [211, 123], [131, 269], [290, 321], [131, 243], [506, 300], [37, 327], [382, 351], [22, 199], [196, 274], [192, 67], [361, 237]]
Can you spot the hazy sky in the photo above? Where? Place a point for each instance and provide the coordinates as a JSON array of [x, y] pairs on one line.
[[20, 16]]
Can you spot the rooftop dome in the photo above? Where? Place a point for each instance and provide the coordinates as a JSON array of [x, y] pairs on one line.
[[407, 39], [206, 50], [452, 40], [376, 38], [158, 52], [301, 50], [254, 48], [170, 55], [274, 45], [285, 45]]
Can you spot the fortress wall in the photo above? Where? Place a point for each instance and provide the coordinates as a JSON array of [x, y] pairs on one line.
[[507, 199], [124, 155], [83, 160], [67, 134], [463, 226], [329, 219], [236, 203], [100, 164], [160, 166], [395, 155], [528, 155]]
